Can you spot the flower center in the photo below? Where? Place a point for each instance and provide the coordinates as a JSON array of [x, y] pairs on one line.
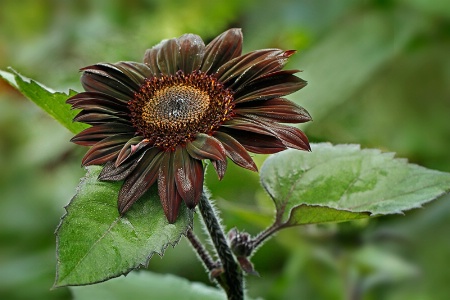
[[170, 110]]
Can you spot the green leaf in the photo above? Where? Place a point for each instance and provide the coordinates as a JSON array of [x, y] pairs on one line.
[[343, 182], [344, 67], [147, 285], [52, 102], [95, 244]]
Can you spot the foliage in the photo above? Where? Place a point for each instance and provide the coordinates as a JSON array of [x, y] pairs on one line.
[[377, 76]]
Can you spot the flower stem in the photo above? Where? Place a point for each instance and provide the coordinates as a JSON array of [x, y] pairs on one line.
[[206, 258], [233, 274]]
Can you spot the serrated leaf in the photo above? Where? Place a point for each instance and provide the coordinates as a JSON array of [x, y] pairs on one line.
[[95, 244], [52, 102], [147, 285], [343, 182]]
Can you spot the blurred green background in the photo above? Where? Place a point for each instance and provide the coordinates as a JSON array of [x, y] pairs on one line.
[[378, 73]]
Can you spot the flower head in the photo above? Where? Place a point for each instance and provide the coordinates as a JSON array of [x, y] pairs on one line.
[[155, 122]]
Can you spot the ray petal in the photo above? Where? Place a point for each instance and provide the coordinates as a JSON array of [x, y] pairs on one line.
[[240, 71], [94, 134], [188, 177], [223, 48], [140, 179], [276, 109], [273, 85], [235, 151], [168, 57], [105, 150], [108, 79], [167, 189], [206, 147], [130, 148], [112, 173], [256, 142], [192, 51]]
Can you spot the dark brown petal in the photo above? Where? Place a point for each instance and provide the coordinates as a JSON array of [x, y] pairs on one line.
[[255, 142], [135, 71], [151, 58], [112, 173], [97, 102], [192, 52], [188, 177], [273, 85], [168, 57], [291, 137], [92, 135], [241, 70], [108, 79], [140, 180], [220, 166], [223, 48], [247, 124], [94, 117], [130, 148], [206, 147], [277, 109], [235, 151], [105, 150], [168, 193]]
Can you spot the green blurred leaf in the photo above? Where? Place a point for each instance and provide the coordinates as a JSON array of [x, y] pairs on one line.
[[349, 56], [95, 244], [343, 182], [54, 103], [378, 266], [146, 285]]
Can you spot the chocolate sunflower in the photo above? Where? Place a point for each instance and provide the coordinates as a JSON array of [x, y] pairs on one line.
[[155, 122]]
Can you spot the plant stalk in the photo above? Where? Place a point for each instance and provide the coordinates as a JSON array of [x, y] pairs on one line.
[[205, 257], [233, 274]]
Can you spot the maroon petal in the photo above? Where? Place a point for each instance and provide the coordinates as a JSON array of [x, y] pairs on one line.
[[191, 53], [98, 117], [112, 173], [96, 100], [223, 48], [220, 166], [247, 124], [168, 57], [137, 72], [206, 147], [188, 177], [140, 180], [235, 151], [151, 58], [168, 193], [255, 142], [130, 148], [277, 109], [107, 79], [273, 85], [291, 137], [95, 134], [242, 70], [164, 58], [105, 150]]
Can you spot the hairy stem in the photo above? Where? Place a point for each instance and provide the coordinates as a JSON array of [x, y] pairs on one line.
[[264, 235], [233, 274], [207, 260], [201, 251]]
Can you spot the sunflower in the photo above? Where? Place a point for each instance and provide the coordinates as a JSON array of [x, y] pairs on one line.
[[155, 122]]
